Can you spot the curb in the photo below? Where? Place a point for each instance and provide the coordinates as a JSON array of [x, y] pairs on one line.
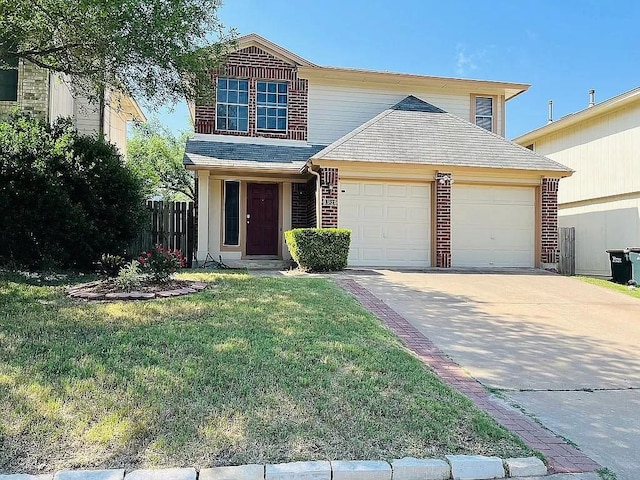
[[456, 467]]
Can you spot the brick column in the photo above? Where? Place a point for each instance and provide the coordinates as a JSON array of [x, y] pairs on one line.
[[549, 218], [443, 219], [329, 182]]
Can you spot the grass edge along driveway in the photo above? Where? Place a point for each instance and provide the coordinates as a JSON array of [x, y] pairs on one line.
[[252, 370]]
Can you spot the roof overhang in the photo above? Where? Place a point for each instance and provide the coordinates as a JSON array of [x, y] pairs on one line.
[[129, 108], [255, 40], [508, 89], [605, 107], [413, 168]]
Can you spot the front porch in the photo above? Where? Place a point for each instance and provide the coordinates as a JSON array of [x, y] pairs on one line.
[[243, 218]]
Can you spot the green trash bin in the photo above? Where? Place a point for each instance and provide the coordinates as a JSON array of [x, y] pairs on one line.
[[634, 258]]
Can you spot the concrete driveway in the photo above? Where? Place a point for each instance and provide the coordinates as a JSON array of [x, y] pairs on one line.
[[566, 351]]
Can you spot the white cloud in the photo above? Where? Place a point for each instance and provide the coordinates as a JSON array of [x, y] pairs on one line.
[[467, 62]]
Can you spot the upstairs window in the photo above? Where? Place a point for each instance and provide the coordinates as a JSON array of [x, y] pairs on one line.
[[232, 105], [9, 79], [271, 100], [484, 113]]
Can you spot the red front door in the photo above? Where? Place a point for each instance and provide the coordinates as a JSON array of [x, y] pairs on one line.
[[262, 219]]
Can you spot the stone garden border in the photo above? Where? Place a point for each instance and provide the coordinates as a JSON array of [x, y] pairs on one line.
[[82, 292], [464, 467]]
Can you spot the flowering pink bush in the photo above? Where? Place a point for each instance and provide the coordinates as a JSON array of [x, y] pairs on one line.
[[161, 263]]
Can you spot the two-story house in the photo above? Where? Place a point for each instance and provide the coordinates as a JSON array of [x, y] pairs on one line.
[[50, 96], [416, 166], [602, 199]]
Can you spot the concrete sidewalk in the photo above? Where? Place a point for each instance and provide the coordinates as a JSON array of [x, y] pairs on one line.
[[564, 350]]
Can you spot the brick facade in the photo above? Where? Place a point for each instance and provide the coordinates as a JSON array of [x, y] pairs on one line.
[[329, 186], [549, 218], [33, 91], [443, 219], [303, 204], [255, 64]]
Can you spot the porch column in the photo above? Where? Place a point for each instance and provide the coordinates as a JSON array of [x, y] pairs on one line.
[[443, 219], [329, 195], [549, 229], [203, 214]]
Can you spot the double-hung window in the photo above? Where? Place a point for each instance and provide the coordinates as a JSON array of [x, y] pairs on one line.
[[232, 105], [484, 113], [9, 79], [271, 101]]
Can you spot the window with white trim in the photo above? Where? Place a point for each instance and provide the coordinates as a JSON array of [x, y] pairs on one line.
[[271, 101], [232, 105], [484, 112], [231, 212]]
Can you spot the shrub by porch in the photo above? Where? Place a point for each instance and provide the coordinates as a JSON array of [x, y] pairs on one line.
[[319, 249]]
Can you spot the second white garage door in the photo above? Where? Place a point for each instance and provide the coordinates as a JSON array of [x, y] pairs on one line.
[[492, 226], [390, 223]]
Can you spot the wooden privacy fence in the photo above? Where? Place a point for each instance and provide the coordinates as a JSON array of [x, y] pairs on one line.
[[567, 243], [170, 224]]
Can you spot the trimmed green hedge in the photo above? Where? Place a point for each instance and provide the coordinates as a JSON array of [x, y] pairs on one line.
[[319, 249]]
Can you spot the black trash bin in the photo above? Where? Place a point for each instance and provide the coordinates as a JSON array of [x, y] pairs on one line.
[[621, 269]]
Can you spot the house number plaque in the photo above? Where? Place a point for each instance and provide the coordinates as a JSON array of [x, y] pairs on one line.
[[329, 202]]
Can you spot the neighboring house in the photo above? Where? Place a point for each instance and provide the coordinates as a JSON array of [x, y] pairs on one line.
[[416, 166], [602, 199], [46, 94]]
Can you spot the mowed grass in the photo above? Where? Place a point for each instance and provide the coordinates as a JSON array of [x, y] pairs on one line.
[[251, 370], [606, 283]]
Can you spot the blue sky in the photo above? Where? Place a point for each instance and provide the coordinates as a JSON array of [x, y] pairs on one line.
[[562, 48]]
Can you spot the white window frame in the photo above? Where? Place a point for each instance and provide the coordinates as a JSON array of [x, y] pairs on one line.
[[233, 104], [493, 111], [267, 105]]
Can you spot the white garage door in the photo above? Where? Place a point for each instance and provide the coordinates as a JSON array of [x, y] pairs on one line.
[[492, 226], [390, 223]]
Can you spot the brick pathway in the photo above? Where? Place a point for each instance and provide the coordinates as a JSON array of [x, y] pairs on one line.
[[562, 457]]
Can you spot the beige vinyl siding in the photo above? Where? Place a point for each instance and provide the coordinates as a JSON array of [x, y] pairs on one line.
[[117, 130], [61, 103], [336, 109], [601, 226], [603, 151], [87, 116]]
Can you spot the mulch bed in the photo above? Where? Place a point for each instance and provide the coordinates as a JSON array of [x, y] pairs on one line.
[[108, 290]]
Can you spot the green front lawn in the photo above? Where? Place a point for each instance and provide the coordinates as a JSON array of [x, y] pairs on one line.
[[603, 282], [251, 370]]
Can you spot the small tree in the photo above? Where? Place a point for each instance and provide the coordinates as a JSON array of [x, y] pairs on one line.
[[158, 51], [156, 155], [66, 198]]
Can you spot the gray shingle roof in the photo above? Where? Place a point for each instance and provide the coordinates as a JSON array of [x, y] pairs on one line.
[[228, 154], [414, 131]]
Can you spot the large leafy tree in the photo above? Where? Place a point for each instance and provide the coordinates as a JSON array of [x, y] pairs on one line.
[[156, 50], [156, 154]]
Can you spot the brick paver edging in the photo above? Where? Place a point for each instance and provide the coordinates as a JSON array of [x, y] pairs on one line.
[[82, 291], [562, 457]]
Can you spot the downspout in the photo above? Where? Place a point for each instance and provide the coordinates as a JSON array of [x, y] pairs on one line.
[[318, 197]]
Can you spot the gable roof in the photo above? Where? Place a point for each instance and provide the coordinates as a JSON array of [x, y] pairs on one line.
[[255, 40], [607, 106], [414, 131], [247, 155]]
